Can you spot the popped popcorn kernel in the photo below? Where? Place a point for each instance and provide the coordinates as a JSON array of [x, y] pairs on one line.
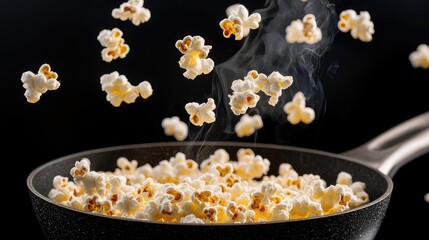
[[244, 95], [248, 125], [219, 191], [304, 31], [119, 90], [297, 111], [174, 127], [273, 85], [201, 113], [238, 22], [360, 26], [132, 10], [113, 43], [191, 219], [37, 84], [194, 58], [420, 57]]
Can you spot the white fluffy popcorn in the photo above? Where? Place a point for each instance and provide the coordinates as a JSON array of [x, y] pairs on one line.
[[132, 10], [119, 90], [201, 113], [304, 31], [220, 191], [420, 57], [174, 127], [113, 43], [239, 22], [37, 84], [361, 26], [194, 58], [244, 96], [248, 125], [273, 85], [297, 111]]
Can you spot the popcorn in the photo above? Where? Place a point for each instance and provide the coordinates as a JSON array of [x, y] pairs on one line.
[[244, 95], [239, 22], [303, 207], [420, 57], [132, 10], [174, 127], [176, 191], [127, 204], [113, 43], [304, 31], [360, 25], [194, 58], [119, 90], [201, 113], [273, 85], [297, 112], [37, 84], [191, 219], [145, 89], [248, 125]]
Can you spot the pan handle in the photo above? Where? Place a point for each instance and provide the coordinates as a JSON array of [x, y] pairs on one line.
[[395, 147]]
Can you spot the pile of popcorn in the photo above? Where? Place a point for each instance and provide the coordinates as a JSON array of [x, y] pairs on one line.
[[219, 190]]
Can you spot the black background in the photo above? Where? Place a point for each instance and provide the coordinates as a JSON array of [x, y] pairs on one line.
[[373, 88]]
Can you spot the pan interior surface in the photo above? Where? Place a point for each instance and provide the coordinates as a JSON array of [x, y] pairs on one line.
[[304, 161]]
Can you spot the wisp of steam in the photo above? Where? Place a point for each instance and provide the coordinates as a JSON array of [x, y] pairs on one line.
[[266, 50]]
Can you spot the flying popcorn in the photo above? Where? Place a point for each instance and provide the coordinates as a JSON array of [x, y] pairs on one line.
[[304, 31], [194, 58], [273, 85], [132, 10], [420, 57], [174, 127], [360, 25], [239, 22], [248, 125], [37, 84], [119, 90], [297, 112], [244, 95], [201, 113], [113, 43]]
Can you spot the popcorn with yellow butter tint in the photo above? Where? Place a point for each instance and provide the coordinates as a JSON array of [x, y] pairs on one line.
[[194, 58], [248, 125], [297, 111], [132, 10], [119, 90], [176, 190], [201, 113], [113, 43], [238, 22], [304, 31], [420, 57], [174, 127], [37, 84], [360, 26], [273, 85]]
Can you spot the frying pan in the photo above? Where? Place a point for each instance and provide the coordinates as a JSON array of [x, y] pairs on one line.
[[373, 163]]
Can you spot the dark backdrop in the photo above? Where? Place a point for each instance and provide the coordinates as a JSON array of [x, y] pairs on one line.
[[372, 89]]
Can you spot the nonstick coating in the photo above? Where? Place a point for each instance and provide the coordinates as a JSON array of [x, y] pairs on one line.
[[59, 222]]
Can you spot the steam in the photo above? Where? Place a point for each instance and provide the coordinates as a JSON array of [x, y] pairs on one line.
[[266, 50]]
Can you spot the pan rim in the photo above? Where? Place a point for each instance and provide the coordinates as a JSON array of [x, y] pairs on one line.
[[31, 188]]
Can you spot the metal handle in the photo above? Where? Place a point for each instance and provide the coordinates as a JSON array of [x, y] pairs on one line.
[[397, 146]]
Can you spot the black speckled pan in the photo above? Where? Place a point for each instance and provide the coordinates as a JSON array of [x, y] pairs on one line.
[[371, 163]]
